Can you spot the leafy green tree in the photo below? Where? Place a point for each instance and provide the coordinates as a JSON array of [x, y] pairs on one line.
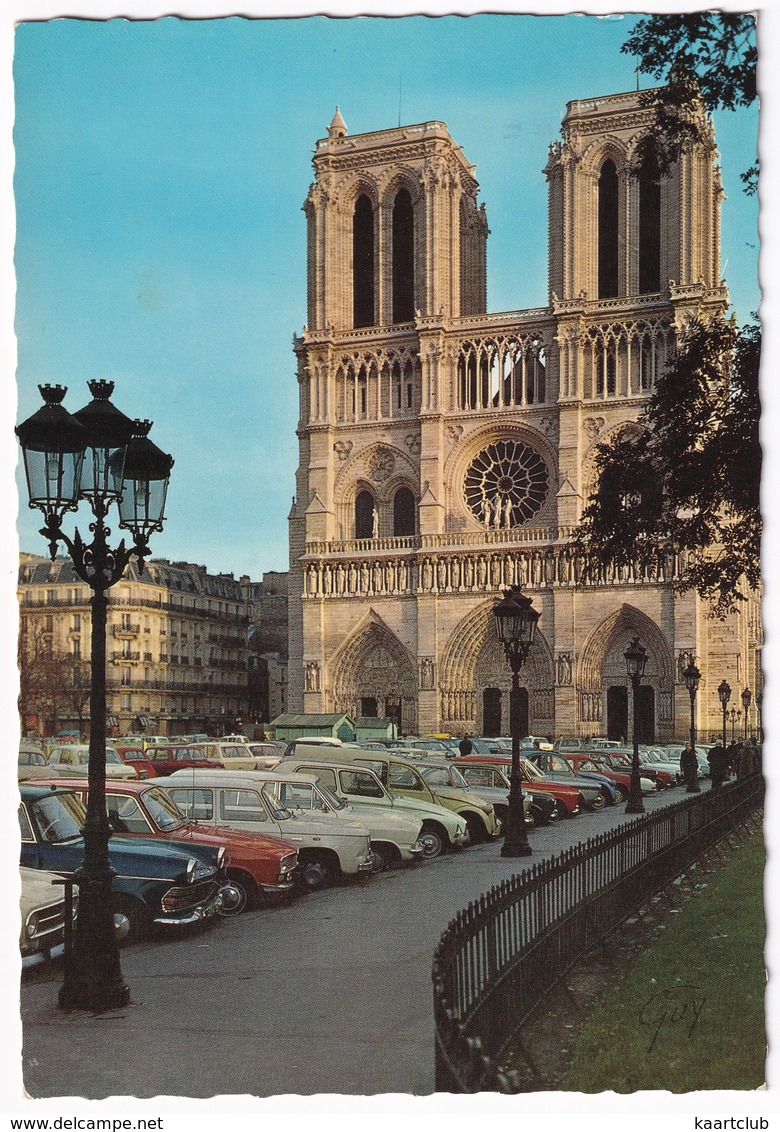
[[687, 479], [709, 57]]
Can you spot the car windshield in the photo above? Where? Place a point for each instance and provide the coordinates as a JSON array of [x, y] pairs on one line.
[[276, 808], [31, 758], [298, 796], [58, 817], [457, 779], [558, 764], [332, 799], [360, 784], [162, 809], [435, 775], [531, 770]]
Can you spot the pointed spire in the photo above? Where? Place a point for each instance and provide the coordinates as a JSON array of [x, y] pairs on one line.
[[338, 127]]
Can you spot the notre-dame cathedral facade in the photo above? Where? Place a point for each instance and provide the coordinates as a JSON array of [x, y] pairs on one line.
[[446, 453]]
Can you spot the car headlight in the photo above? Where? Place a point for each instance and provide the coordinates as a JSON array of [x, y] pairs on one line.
[[190, 870], [288, 863], [221, 855], [31, 927]]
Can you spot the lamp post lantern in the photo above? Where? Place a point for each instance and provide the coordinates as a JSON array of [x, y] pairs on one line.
[[101, 457], [733, 713], [724, 695], [516, 621], [759, 706], [747, 699], [636, 659], [692, 676]]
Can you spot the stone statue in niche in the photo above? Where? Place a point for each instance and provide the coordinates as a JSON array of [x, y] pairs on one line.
[[374, 523], [427, 673], [564, 666], [311, 676]]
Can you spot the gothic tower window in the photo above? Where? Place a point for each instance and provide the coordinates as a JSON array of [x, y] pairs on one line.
[[403, 257], [649, 232], [364, 515], [403, 512], [608, 231], [363, 263]]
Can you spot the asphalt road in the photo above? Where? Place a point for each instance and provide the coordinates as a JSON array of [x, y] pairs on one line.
[[325, 993]]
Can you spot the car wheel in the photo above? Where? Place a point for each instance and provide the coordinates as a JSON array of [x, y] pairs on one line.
[[531, 819], [315, 872], [553, 816], [561, 809], [599, 802], [247, 889], [433, 841], [385, 856], [475, 827], [131, 920], [621, 794]]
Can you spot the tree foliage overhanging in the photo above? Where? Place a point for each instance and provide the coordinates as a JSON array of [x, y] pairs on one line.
[[688, 478], [709, 57]]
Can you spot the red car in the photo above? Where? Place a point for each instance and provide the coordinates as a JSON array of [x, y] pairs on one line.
[[256, 862], [178, 756], [583, 762], [136, 757], [567, 797]]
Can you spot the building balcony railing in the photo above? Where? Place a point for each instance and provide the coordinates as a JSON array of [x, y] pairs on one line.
[[125, 630], [447, 540], [117, 657]]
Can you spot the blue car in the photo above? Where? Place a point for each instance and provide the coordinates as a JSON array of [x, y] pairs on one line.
[[155, 882]]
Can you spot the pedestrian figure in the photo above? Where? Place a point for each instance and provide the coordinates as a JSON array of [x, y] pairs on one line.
[[465, 746], [747, 763], [689, 768], [718, 759]]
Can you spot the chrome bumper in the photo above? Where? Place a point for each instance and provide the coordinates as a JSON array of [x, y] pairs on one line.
[[194, 916]]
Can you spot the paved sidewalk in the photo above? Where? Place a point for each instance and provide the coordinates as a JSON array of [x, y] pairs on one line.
[[330, 992]]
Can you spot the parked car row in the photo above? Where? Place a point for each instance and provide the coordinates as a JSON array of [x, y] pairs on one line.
[[207, 838]]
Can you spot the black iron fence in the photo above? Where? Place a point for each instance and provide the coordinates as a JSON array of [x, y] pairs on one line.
[[500, 956]]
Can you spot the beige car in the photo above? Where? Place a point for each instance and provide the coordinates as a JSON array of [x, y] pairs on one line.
[[42, 907], [73, 758], [232, 755]]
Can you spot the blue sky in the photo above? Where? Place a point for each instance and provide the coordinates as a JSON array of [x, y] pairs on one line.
[[160, 171]]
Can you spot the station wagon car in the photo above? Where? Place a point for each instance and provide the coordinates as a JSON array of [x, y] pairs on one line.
[[154, 883], [440, 829], [327, 847], [73, 758]]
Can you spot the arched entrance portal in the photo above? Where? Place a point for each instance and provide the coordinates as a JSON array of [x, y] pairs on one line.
[[373, 675]]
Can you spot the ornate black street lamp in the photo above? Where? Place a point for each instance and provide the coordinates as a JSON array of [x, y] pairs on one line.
[[733, 713], [99, 456], [747, 699], [759, 706], [636, 659], [515, 626], [724, 695], [692, 676]]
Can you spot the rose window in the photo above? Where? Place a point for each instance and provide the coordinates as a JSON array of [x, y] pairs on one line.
[[506, 484]]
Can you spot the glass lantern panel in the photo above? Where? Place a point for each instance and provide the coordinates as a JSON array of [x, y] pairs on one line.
[[53, 478]]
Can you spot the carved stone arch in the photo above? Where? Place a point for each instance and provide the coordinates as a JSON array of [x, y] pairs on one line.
[[395, 482], [624, 430], [401, 178], [616, 631], [372, 662], [470, 639], [609, 147], [350, 187], [373, 458]]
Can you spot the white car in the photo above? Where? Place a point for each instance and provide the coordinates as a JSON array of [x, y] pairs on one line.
[[395, 836], [327, 846], [42, 907], [359, 785], [73, 759]]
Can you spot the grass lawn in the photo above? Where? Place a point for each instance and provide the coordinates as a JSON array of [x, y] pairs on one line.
[[689, 1014]]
